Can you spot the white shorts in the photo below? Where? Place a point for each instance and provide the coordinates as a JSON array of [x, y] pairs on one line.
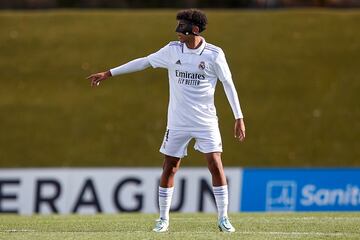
[[176, 141]]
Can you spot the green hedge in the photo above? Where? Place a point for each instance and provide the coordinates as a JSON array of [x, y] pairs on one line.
[[297, 75]]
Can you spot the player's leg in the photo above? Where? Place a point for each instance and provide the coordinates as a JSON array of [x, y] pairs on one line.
[[170, 167], [209, 143], [174, 148], [166, 189], [216, 168], [220, 190]]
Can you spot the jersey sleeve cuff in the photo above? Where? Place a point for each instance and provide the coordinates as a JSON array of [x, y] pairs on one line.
[[238, 115], [113, 72]]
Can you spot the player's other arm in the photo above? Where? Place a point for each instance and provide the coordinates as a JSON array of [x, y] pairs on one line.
[[224, 74], [231, 94]]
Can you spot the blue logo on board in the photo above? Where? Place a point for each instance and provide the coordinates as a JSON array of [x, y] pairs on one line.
[[280, 196]]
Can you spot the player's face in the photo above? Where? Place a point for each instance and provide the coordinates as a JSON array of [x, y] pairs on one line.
[[181, 36]]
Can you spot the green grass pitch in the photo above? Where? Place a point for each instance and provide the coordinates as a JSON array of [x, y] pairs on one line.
[[296, 71], [182, 226]]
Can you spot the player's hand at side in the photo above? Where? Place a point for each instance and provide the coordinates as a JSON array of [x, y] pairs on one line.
[[239, 129], [96, 78]]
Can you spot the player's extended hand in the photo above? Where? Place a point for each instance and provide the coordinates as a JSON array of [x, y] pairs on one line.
[[239, 129], [96, 78]]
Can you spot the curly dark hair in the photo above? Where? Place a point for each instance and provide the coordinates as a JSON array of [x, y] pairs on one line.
[[194, 16]]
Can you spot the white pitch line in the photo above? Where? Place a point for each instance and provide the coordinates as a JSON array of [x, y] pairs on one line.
[[202, 232], [302, 233], [17, 230]]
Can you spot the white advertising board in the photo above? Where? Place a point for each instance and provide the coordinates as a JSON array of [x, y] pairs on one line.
[[108, 190]]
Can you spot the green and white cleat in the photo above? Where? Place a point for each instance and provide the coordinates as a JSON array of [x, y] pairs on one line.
[[162, 225], [225, 225]]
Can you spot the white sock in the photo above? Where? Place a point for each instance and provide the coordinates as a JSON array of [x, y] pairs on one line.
[[165, 196], [222, 200]]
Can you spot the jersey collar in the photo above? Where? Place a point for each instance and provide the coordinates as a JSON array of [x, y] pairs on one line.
[[197, 51]]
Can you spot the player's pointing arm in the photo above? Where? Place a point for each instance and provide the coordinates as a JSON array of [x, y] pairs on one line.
[[132, 66]]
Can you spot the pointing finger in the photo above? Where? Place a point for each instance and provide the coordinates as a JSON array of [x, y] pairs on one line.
[[90, 77]]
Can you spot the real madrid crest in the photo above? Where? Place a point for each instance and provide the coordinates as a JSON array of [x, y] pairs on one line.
[[202, 65]]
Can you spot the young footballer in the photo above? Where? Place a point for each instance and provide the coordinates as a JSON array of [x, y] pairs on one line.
[[193, 69]]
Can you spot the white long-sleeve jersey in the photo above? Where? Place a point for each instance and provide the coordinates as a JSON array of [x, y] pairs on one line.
[[193, 75]]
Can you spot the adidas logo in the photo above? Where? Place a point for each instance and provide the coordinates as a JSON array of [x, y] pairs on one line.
[[178, 62]]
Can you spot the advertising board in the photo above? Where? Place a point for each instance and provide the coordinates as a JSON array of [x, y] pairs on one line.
[[301, 189], [108, 190]]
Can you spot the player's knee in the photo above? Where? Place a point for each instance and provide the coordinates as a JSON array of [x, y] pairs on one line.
[[215, 167], [170, 169]]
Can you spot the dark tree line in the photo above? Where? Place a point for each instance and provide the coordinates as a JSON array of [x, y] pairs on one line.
[[34, 4]]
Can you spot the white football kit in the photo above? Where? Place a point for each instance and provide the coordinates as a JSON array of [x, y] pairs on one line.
[[193, 75]]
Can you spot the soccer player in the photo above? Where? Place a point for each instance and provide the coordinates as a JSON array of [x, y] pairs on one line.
[[193, 69]]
